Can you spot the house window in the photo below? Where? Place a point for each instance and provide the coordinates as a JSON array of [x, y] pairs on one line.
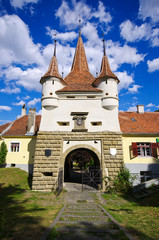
[[14, 147], [145, 149], [145, 176]]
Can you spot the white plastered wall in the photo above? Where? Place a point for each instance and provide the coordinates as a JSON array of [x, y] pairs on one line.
[[96, 113]]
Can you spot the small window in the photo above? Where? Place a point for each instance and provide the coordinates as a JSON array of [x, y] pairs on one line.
[[13, 165], [96, 123], [47, 174], [145, 176], [91, 96], [53, 82], [70, 96], [14, 147], [63, 123]]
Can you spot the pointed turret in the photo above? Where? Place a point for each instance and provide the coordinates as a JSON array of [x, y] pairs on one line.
[[53, 67], [107, 81], [51, 82], [80, 78], [105, 71]]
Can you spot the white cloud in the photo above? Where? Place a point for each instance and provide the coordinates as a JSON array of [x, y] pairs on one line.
[[125, 80], [69, 13], [116, 57], [21, 3], [26, 97], [150, 105], [33, 102], [132, 109], [5, 108], [16, 45], [39, 112], [90, 32], [134, 88], [21, 103], [28, 78], [149, 8], [9, 90], [132, 32], [102, 14], [67, 36], [4, 121], [153, 65]]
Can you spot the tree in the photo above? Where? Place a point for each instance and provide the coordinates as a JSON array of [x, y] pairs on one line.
[[3, 153]]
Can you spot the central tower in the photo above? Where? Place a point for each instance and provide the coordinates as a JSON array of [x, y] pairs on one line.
[[79, 111]]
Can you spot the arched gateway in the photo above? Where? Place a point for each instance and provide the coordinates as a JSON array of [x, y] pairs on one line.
[[82, 166]]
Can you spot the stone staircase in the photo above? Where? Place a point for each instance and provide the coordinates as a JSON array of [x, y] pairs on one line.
[[85, 221]]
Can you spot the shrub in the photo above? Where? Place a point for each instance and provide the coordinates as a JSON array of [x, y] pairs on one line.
[[123, 182], [3, 153]]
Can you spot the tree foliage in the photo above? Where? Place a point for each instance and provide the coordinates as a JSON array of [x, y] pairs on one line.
[[3, 153]]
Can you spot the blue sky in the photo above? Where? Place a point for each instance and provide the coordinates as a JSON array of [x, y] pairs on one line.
[[27, 28]]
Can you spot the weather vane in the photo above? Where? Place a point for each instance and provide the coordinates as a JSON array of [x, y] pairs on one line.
[[103, 44], [79, 26], [55, 45]]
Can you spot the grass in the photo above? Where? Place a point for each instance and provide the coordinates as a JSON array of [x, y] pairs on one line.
[[23, 213], [140, 217]]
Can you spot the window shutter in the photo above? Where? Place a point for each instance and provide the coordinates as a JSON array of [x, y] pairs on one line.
[[154, 147], [134, 149]]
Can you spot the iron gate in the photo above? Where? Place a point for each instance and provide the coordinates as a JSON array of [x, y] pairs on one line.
[[91, 179]]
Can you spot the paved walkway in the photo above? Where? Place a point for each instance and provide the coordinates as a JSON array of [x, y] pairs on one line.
[[83, 218]]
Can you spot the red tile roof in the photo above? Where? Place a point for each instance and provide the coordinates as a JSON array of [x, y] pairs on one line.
[[53, 70], [130, 122], [19, 127], [4, 126], [105, 72], [79, 79]]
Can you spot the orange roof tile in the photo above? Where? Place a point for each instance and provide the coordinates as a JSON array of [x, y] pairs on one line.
[[105, 72], [4, 126], [53, 69], [132, 122], [19, 127], [79, 79]]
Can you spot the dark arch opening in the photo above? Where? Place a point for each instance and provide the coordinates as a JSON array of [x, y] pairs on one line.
[[78, 162]]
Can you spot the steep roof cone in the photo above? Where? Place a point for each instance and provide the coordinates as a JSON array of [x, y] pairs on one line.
[[105, 69], [53, 67], [79, 79]]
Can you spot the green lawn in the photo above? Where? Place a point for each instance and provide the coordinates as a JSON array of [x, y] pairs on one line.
[[24, 214], [140, 217]]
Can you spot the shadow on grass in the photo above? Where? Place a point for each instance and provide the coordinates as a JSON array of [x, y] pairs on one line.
[[30, 178], [87, 230], [149, 201], [16, 215]]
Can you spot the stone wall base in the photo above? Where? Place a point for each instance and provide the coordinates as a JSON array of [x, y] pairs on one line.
[[46, 163]]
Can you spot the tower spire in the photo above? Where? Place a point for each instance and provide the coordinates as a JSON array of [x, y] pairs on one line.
[[55, 46], [79, 27], [104, 52]]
